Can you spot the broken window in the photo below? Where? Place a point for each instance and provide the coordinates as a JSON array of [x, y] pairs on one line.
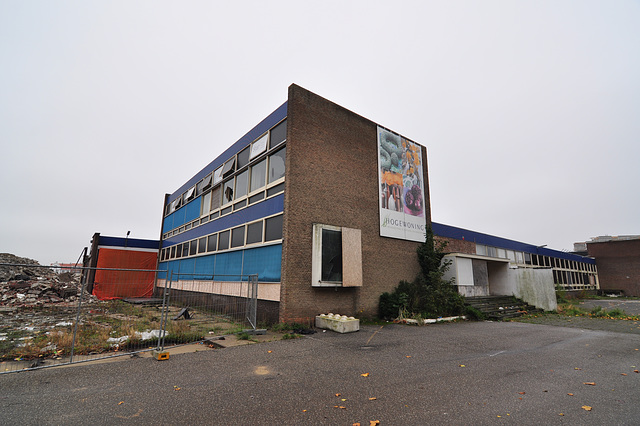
[[259, 146], [276, 165], [229, 167]]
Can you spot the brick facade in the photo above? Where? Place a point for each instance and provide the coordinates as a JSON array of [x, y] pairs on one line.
[[618, 265], [332, 179], [457, 246]]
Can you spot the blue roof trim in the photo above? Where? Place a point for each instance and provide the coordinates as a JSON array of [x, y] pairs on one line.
[[448, 231], [272, 119], [257, 211], [128, 242]]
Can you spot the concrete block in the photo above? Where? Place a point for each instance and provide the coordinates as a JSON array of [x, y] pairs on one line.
[[337, 323]]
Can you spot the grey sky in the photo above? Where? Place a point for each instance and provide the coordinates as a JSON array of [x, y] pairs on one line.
[[530, 111]]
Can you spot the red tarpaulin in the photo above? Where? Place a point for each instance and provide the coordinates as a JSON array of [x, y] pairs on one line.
[[119, 284]]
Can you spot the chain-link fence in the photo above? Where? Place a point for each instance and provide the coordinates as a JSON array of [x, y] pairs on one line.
[[54, 316]]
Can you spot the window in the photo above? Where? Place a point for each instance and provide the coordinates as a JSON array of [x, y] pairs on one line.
[[255, 198], [215, 198], [276, 165], [243, 157], [275, 189], [227, 192], [204, 184], [202, 245], [278, 134], [179, 251], [211, 243], [254, 233], [519, 257], [188, 196], [185, 249], [229, 167], [240, 205], [173, 252], [481, 249], [241, 184], [273, 228], [223, 242], [193, 247], [336, 256], [225, 211], [217, 175], [237, 237], [258, 175], [259, 146], [492, 252]]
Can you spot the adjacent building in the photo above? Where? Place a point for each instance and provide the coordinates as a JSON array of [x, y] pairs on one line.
[[618, 260]]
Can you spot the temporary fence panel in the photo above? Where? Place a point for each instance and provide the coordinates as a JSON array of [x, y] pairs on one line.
[[201, 307], [47, 318]]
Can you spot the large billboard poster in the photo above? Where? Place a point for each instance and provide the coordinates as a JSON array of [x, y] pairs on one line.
[[400, 172]]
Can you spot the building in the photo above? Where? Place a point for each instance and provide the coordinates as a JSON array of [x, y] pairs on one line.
[[618, 260], [325, 206], [485, 265]]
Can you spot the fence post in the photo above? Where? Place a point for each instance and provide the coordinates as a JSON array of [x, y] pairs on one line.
[[75, 327], [165, 312], [252, 313]]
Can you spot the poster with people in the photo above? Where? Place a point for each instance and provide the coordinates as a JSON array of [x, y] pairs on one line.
[[401, 183]]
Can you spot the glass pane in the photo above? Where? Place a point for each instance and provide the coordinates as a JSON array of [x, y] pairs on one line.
[[193, 247], [254, 198], [275, 189], [173, 252], [229, 167], [206, 203], [331, 255], [227, 192], [211, 244], [241, 184], [237, 237], [215, 198], [217, 175], [259, 146], [240, 204], [273, 228], [202, 245], [223, 242], [185, 249], [225, 211], [276, 165], [243, 157], [254, 233], [278, 134], [179, 251], [258, 175]]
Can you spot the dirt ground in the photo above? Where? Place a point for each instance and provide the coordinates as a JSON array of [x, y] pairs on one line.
[[629, 306]]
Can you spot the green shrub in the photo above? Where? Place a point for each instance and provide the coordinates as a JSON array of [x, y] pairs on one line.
[[429, 295]]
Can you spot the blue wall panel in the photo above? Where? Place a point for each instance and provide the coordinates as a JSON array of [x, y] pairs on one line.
[[264, 261], [167, 223], [192, 210]]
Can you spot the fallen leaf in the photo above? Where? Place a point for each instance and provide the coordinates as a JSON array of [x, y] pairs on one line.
[[520, 398], [570, 394], [521, 393], [121, 402], [338, 394], [586, 407], [356, 424], [365, 374], [373, 398], [374, 422], [409, 356], [343, 399], [623, 374], [561, 414], [304, 411], [343, 408], [499, 416], [462, 365], [269, 352], [576, 368], [589, 383], [636, 371]]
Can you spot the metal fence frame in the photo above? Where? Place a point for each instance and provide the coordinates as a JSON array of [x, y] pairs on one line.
[[249, 314]]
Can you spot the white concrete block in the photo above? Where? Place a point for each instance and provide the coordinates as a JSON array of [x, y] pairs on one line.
[[338, 323]]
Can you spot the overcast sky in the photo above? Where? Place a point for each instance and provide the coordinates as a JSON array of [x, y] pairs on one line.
[[530, 110]]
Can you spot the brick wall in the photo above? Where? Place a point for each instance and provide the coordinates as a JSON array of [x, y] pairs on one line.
[[457, 246], [332, 178], [618, 264]]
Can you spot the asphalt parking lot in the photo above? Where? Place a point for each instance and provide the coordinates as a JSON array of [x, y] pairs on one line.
[[460, 373]]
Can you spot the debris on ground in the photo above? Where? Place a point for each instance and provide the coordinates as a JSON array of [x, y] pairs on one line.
[[35, 285]]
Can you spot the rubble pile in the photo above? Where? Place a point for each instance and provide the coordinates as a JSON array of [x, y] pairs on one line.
[[26, 283]]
